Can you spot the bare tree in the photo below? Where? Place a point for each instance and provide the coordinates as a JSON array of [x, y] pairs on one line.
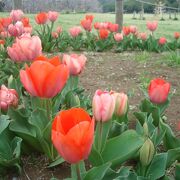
[[17, 4], [119, 13]]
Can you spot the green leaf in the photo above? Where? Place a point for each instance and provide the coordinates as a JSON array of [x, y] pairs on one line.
[[58, 161], [122, 148], [173, 155], [97, 173], [177, 172], [157, 168], [4, 122]]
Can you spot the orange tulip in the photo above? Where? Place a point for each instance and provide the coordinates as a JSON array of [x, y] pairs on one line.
[[44, 79], [72, 134], [5, 22], [103, 33], [41, 18], [54, 60]]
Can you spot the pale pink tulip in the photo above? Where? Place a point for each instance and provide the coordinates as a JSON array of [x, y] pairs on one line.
[[25, 48], [75, 63], [59, 29], [143, 36], [152, 26], [17, 29], [55, 35], [52, 16], [75, 31], [133, 29], [16, 15], [103, 106], [121, 103], [8, 98], [118, 37]]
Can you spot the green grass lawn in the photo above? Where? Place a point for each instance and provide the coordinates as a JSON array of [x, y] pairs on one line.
[[166, 28]]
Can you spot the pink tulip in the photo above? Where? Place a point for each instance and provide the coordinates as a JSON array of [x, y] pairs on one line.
[[118, 37], [86, 24], [121, 104], [4, 34], [52, 16], [133, 29], [113, 27], [8, 98], [103, 106], [17, 29], [152, 26], [162, 41], [75, 63], [75, 31], [143, 36], [59, 29], [25, 48], [55, 35], [16, 15]]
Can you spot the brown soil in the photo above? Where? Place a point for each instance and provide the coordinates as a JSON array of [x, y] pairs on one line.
[[119, 72]]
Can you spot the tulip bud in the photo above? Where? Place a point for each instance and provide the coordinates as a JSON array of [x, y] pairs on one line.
[[72, 100], [147, 152], [146, 130]]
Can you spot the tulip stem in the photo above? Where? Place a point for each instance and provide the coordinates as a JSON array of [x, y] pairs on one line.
[[100, 135], [78, 172]]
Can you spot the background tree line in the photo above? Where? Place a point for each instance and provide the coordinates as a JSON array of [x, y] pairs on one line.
[[33, 6]]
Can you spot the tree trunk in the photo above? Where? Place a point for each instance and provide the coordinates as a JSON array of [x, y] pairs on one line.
[[119, 13], [17, 4]]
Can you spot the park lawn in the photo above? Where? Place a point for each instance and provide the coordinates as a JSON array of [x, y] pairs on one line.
[[166, 28]]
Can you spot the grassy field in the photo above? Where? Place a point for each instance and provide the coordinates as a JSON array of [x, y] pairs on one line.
[[166, 28]]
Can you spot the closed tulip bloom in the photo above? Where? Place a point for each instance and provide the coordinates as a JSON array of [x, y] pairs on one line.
[[103, 33], [41, 18], [103, 106], [89, 17], [113, 27], [162, 41], [118, 37], [55, 35], [44, 79], [177, 35], [126, 30], [86, 24], [158, 90], [152, 26], [16, 15], [17, 29], [25, 48], [133, 29], [75, 31], [59, 29], [73, 134], [8, 98], [52, 16], [75, 63], [121, 104], [143, 36]]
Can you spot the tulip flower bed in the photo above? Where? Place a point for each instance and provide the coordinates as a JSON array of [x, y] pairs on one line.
[[116, 133]]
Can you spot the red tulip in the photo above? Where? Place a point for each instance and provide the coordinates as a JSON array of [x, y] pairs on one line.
[[5, 22], [44, 79], [103, 33], [41, 18], [126, 30], [162, 41], [113, 27], [177, 35], [72, 134], [158, 90], [86, 24], [8, 98], [89, 17]]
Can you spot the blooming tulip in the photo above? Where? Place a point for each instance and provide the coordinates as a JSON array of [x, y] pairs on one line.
[[143, 36], [5, 22], [16, 15], [54, 60], [103, 106], [75, 63], [89, 17], [177, 35], [158, 90], [152, 26], [103, 33], [72, 134], [86, 24], [44, 79], [25, 48], [52, 16], [118, 37], [8, 98], [17, 29], [126, 30], [113, 27], [75, 31], [162, 41], [133, 29], [41, 18]]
